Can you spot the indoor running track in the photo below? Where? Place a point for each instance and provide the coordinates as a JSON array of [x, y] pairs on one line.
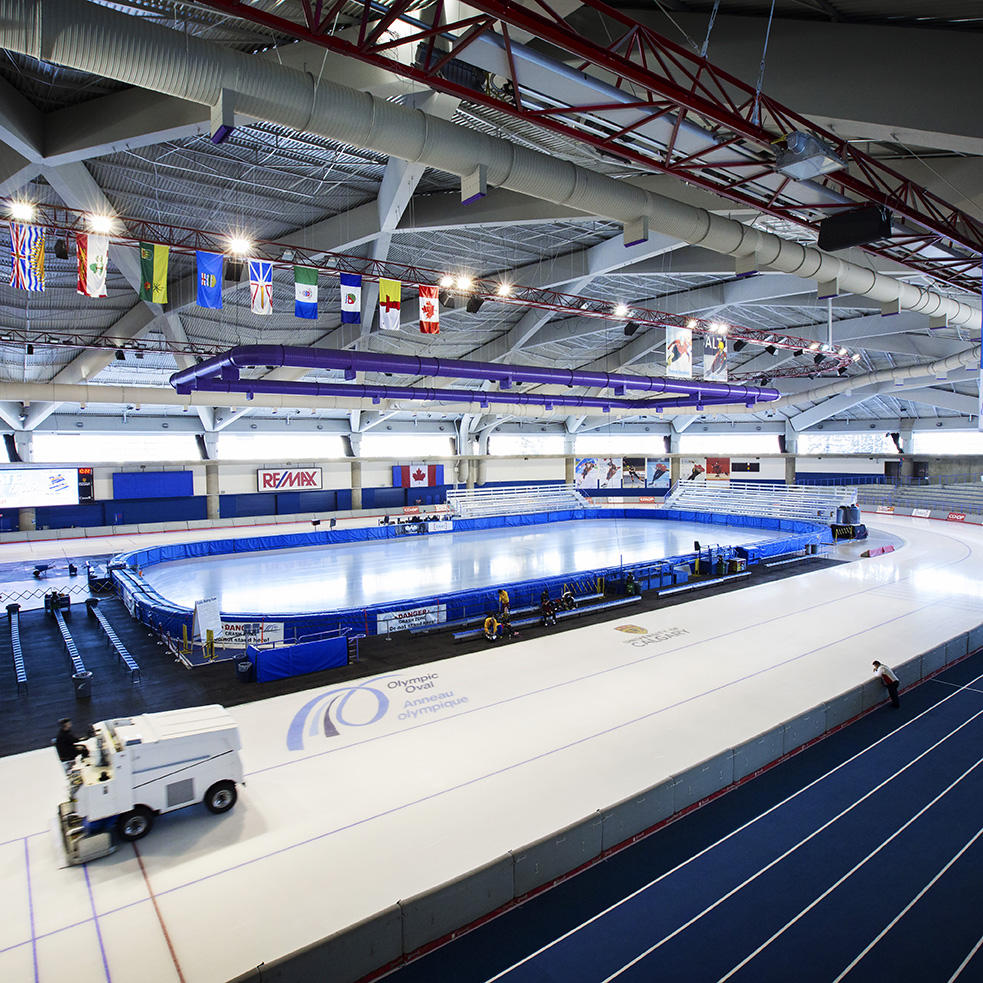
[[866, 869]]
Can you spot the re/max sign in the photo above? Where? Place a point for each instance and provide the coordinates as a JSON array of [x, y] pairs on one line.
[[288, 478]]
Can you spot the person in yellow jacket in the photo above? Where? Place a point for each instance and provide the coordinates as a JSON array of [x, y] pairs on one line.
[[503, 601], [491, 628]]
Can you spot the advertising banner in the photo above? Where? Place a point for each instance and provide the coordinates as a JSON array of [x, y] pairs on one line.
[[956, 517], [633, 473], [679, 353], [390, 621], [609, 472], [718, 469], [288, 479], [887, 509], [921, 513], [715, 358], [657, 472], [586, 473]]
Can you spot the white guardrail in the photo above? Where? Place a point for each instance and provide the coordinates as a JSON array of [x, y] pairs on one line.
[[756, 498], [513, 500]]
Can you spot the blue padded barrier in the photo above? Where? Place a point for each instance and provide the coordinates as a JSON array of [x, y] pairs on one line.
[[296, 660], [150, 607]]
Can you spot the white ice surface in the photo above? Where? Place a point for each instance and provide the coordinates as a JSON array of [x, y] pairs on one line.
[[357, 574], [552, 729]]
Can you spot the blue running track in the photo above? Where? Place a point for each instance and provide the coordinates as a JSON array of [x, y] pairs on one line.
[[860, 859]]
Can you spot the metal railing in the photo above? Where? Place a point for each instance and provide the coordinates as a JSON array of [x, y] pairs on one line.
[[755, 498], [513, 500]]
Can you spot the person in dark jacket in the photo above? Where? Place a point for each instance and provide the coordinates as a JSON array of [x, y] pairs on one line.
[[68, 746]]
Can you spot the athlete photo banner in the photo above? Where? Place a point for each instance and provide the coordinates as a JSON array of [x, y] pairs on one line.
[[679, 353], [715, 358]]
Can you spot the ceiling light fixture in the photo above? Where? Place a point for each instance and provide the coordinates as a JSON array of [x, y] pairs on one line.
[[101, 224], [464, 282], [621, 310], [22, 211], [446, 281], [504, 290], [239, 245]]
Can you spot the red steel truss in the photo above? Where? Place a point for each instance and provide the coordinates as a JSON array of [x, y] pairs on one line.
[[667, 82], [179, 239]]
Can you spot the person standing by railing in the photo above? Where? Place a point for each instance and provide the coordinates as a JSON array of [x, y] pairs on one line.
[[890, 682]]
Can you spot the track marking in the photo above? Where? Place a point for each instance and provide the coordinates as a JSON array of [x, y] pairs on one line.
[[742, 828], [157, 911], [972, 952], [30, 911], [95, 919], [842, 880], [911, 904]]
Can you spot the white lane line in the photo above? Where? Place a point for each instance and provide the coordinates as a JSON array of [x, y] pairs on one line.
[[911, 904], [972, 952], [748, 824], [870, 856]]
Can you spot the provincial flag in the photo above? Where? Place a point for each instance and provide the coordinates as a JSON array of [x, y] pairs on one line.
[[389, 304], [93, 258], [418, 475], [26, 256], [714, 358], [153, 272], [351, 298], [209, 267], [261, 286], [429, 311], [305, 292]]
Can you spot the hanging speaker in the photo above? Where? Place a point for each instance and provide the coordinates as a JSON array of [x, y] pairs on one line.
[[474, 305], [630, 328], [855, 228], [61, 249], [233, 270]]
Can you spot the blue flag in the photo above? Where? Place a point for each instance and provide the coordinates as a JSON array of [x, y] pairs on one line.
[[351, 298], [209, 279]]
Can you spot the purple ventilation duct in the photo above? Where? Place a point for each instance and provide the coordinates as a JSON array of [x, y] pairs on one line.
[[221, 374]]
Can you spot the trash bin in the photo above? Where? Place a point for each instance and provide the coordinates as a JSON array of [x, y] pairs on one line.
[[83, 685], [721, 566], [245, 670]]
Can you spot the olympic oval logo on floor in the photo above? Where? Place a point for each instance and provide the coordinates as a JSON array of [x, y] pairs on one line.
[[365, 703]]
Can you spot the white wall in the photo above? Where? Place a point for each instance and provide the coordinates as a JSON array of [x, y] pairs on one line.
[[853, 465], [524, 469]]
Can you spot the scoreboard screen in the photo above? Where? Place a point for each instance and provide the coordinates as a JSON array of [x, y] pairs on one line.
[[86, 493]]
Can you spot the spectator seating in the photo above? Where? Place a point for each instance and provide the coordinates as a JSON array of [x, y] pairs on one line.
[[962, 497], [804, 502], [513, 500], [78, 666], [112, 639], [618, 602]]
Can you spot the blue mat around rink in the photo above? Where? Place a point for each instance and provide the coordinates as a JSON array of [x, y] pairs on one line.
[[150, 607]]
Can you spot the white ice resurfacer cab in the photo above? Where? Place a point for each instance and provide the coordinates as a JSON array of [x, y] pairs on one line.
[[139, 767]]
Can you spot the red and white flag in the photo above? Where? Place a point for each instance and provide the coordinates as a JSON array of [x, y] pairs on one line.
[[93, 258], [418, 475], [429, 311]]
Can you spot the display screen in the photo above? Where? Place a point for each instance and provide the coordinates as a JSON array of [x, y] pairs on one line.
[[86, 493], [30, 487]]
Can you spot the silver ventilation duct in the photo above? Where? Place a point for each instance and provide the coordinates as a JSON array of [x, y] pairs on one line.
[[103, 42]]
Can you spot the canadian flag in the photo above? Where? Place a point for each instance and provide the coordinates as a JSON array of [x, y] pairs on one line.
[[429, 311], [418, 475]]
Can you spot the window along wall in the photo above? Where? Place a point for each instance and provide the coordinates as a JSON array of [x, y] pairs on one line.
[[122, 448], [728, 444]]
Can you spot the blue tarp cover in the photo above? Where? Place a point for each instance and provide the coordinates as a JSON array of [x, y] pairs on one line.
[[295, 660]]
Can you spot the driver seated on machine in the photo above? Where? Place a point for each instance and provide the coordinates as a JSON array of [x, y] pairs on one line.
[[68, 746]]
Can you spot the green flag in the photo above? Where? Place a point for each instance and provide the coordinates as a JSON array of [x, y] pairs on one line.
[[153, 272]]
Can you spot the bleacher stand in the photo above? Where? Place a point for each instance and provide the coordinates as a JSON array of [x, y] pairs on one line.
[[956, 497], [113, 640], [476, 503], [81, 677], [19, 668], [818, 503]]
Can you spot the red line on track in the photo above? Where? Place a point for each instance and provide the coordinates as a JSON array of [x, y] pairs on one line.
[[160, 917]]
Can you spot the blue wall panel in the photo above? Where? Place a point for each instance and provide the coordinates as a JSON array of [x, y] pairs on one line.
[[153, 484]]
